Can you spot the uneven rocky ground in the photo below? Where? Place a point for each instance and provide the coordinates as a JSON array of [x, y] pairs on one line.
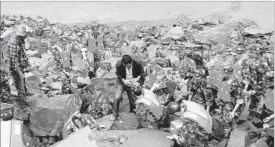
[[220, 40]]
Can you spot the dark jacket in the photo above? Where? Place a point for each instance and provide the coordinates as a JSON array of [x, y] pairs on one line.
[[137, 70]]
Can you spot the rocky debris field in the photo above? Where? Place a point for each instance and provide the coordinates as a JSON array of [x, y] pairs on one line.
[[63, 82]]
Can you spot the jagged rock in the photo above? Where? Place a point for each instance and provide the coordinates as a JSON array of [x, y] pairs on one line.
[[152, 49], [238, 138], [111, 74], [138, 43], [228, 60], [259, 143], [270, 99], [8, 34], [32, 81], [99, 95], [105, 121], [42, 62], [191, 45], [56, 86], [257, 31], [83, 81], [52, 113], [8, 23], [162, 62], [184, 20], [221, 33], [78, 61], [31, 53], [100, 72], [175, 33], [174, 60]]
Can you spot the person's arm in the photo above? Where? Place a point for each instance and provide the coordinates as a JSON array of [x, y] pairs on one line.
[[13, 50], [155, 86], [143, 74], [119, 76], [234, 110]]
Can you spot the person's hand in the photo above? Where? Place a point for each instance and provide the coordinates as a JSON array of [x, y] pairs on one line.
[[136, 79], [246, 82], [232, 115], [156, 84], [126, 82], [266, 126]]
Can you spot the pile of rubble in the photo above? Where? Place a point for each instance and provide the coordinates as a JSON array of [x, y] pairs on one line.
[[60, 65]]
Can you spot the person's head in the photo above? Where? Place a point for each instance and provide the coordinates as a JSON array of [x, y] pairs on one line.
[[22, 31], [77, 122], [127, 61], [228, 107], [171, 86]]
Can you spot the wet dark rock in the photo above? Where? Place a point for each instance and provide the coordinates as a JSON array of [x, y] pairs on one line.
[[100, 94], [49, 118]]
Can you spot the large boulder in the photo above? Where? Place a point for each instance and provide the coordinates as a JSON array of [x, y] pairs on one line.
[[255, 31], [175, 33], [221, 33], [128, 121], [238, 137], [52, 113], [116, 138]]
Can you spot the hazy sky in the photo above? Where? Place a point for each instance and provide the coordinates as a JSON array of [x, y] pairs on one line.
[[262, 12]]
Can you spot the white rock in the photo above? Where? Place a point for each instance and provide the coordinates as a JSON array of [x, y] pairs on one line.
[[152, 49], [175, 33], [257, 31], [82, 80], [31, 53], [8, 34], [56, 85], [174, 60]]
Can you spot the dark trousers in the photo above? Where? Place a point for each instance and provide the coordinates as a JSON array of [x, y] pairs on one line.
[[118, 98], [20, 83]]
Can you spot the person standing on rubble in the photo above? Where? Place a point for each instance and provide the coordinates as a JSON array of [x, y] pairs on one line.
[[18, 63], [90, 42], [127, 69]]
